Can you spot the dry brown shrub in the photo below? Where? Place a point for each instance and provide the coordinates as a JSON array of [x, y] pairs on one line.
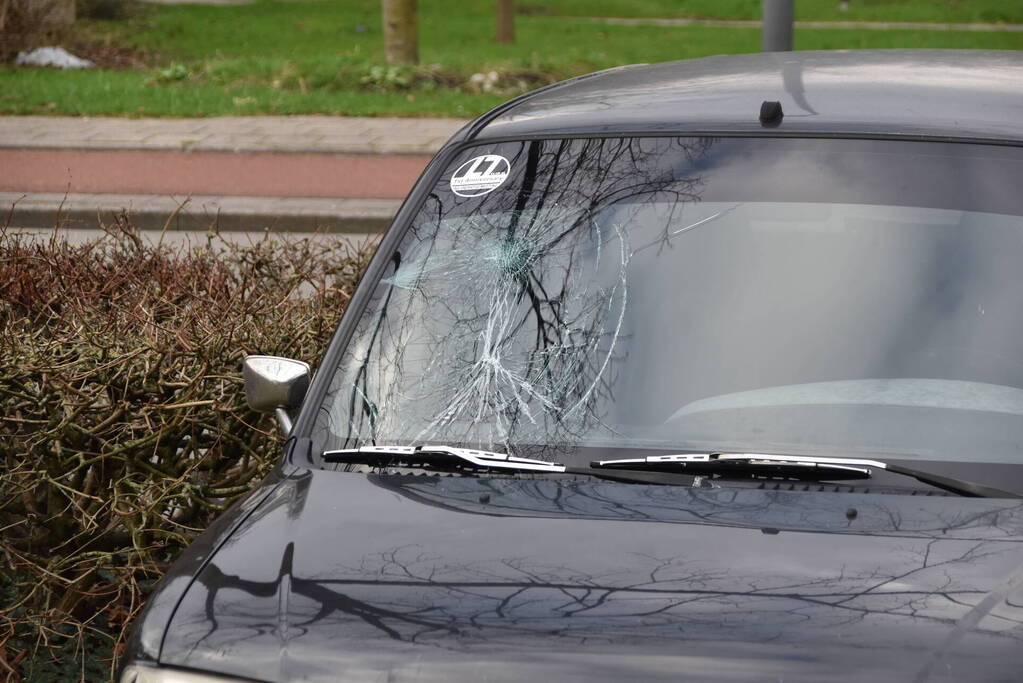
[[124, 429]]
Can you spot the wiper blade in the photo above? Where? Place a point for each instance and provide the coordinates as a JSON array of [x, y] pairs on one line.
[[439, 457], [796, 466], [752, 464]]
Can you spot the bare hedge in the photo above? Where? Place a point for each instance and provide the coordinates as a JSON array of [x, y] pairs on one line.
[[124, 429]]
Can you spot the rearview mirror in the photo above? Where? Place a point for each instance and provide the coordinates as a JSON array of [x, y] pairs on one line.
[[275, 384]]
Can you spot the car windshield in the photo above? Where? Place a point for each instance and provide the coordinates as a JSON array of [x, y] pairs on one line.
[[801, 296]]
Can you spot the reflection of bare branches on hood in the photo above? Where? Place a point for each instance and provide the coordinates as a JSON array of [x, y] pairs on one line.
[[412, 595], [449, 592], [727, 506], [664, 595]]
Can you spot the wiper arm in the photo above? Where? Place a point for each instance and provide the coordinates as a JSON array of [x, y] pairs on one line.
[[796, 466], [439, 457]]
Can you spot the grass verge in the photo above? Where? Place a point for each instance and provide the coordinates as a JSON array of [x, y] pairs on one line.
[[322, 57]]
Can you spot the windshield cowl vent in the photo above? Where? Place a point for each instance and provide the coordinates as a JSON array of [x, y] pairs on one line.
[[814, 487]]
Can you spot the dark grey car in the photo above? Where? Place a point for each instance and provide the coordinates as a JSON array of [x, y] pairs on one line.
[[704, 371]]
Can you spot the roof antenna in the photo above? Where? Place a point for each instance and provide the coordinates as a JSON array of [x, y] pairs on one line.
[[770, 114]]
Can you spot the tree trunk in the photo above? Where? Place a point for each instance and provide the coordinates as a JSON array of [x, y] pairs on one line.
[[506, 21], [400, 41], [51, 14], [64, 13], [30, 23]]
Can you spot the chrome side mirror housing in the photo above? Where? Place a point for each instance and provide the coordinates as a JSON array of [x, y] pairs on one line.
[[275, 385]]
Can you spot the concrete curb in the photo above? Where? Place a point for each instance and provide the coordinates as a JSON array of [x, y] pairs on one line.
[[199, 213]]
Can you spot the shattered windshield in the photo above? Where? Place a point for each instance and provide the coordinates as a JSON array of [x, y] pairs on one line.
[[768, 295]]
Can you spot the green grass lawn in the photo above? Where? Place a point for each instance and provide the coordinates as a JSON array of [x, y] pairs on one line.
[[326, 56]]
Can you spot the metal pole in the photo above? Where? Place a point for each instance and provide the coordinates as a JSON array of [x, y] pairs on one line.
[[777, 30]]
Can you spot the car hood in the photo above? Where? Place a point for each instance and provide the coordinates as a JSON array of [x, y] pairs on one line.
[[343, 576]]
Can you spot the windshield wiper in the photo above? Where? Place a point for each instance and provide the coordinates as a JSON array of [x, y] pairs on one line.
[[450, 458], [796, 467], [439, 457], [751, 464]]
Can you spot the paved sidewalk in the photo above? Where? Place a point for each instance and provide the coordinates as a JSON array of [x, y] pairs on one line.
[[302, 173], [353, 135]]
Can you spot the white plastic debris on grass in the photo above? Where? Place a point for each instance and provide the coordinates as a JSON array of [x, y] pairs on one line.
[[52, 56], [487, 82]]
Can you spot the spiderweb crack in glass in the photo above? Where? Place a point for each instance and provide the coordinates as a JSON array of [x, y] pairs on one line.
[[510, 314], [486, 377]]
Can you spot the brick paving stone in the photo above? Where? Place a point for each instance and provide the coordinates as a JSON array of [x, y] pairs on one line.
[[253, 174]]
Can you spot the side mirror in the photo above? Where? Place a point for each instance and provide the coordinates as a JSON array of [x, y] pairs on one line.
[[274, 384]]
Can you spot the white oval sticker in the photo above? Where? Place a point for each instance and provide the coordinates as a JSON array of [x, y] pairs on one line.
[[480, 175]]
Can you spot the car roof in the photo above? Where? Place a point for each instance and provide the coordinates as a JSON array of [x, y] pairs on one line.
[[950, 94]]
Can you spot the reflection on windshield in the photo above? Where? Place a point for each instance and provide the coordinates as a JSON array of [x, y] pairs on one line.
[[698, 293]]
